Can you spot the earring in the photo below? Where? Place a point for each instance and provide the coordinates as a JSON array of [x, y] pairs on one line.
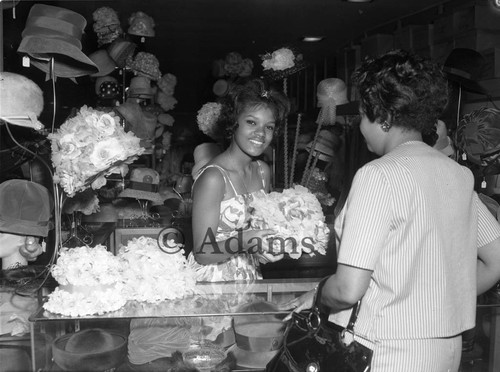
[[385, 126]]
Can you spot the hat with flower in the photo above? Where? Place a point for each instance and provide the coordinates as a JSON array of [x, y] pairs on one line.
[[282, 63], [144, 184], [21, 100], [141, 25], [103, 61], [106, 25], [54, 33]]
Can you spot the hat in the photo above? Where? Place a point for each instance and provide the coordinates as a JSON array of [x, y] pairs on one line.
[[478, 136], [141, 25], [145, 64], [203, 154], [140, 87], [325, 146], [221, 87], [90, 350], [109, 89], [282, 63], [463, 66], [103, 61], [21, 100], [144, 184], [25, 208], [330, 93], [52, 31], [138, 121], [106, 25], [119, 50], [101, 80], [258, 336]]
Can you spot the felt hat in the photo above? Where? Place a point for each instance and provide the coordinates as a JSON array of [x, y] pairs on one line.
[[478, 136], [119, 50], [140, 87], [25, 208], [464, 66], [330, 93], [202, 154], [258, 335], [325, 146], [56, 32], [144, 185], [21, 100], [103, 61], [141, 25], [90, 350], [137, 120]]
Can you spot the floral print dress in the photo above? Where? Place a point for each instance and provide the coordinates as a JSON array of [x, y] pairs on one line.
[[234, 216]]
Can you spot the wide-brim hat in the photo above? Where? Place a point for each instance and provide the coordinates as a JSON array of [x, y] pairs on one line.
[[464, 66], [144, 184], [90, 350], [25, 208], [21, 100], [103, 61], [119, 50], [54, 32], [258, 337]]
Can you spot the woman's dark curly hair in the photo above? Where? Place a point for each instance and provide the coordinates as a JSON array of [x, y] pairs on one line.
[[404, 88], [252, 94]]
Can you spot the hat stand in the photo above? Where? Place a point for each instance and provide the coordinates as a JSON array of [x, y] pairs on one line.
[[78, 234]]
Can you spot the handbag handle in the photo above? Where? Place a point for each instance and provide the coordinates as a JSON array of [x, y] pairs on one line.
[[317, 306]]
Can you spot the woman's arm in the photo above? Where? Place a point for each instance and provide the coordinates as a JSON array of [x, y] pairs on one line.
[[488, 266]]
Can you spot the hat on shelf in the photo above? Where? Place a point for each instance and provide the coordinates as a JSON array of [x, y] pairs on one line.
[[141, 25], [54, 32], [144, 184], [94, 349], [330, 93], [109, 89], [326, 143], [258, 336], [21, 100], [202, 154], [106, 25], [25, 208], [138, 121], [119, 50], [103, 61], [464, 66], [101, 80], [140, 87], [145, 64]]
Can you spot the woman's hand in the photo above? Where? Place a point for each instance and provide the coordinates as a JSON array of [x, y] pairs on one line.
[[304, 302]]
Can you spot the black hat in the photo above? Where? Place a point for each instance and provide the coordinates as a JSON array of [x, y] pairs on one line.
[[463, 66]]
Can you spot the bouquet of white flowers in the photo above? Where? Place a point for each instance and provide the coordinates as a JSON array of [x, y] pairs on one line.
[[298, 218]]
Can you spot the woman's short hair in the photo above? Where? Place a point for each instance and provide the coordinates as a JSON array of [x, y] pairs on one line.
[[403, 88], [254, 93]]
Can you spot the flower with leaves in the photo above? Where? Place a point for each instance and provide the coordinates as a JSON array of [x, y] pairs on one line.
[[207, 118]]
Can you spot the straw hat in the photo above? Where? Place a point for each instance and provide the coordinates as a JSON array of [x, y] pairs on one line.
[[463, 66], [25, 208], [330, 93], [144, 184], [21, 100], [56, 32], [103, 61], [119, 50], [326, 144], [202, 154], [90, 350], [258, 337]]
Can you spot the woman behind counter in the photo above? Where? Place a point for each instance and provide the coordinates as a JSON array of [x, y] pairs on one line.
[[416, 245]]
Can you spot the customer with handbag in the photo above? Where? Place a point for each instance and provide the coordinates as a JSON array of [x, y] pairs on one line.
[[416, 245]]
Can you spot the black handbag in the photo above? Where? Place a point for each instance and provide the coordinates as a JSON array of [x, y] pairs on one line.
[[312, 343]]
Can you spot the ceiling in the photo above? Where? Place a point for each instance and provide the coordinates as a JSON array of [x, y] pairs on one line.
[[191, 34]]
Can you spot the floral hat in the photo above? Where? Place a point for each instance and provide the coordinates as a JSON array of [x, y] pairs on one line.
[[106, 25], [54, 32], [145, 64], [282, 63], [144, 185], [207, 118]]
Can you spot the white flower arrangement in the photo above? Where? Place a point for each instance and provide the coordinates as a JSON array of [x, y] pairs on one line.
[[279, 60], [207, 118], [294, 213], [152, 275], [90, 146]]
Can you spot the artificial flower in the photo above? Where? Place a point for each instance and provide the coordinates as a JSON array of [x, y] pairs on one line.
[[297, 216], [279, 60], [207, 118], [88, 147]]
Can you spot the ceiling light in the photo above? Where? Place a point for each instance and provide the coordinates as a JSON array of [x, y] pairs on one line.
[[312, 39]]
